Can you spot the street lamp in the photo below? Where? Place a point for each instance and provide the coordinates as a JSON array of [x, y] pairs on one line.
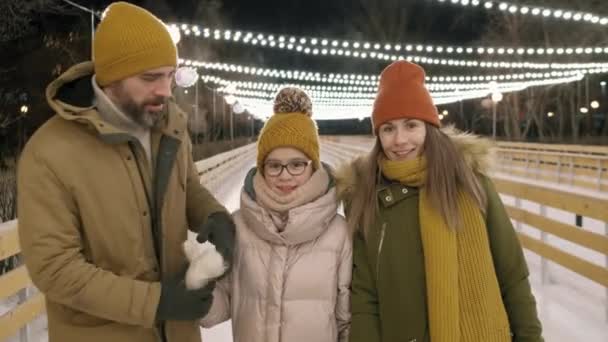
[[595, 104], [252, 125], [496, 97], [550, 114], [187, 77], [175, 34], [24, 109], [230, 100], [584, 110], [238, 108]]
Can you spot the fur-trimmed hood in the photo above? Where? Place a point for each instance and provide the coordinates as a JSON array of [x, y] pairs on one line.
[[477, 151]]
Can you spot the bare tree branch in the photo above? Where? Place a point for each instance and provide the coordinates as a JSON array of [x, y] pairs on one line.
[[16, 16], [517, 31]]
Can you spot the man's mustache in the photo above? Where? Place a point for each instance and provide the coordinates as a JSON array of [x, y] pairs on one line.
[[156, 101]]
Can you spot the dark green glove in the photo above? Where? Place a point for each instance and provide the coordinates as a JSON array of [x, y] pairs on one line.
[[180, 304], [219, 229]]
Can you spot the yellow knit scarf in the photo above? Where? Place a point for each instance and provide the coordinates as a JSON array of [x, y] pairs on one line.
[[463, 295]]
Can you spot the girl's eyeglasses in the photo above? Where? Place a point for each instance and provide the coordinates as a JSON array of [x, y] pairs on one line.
[[293, 167]]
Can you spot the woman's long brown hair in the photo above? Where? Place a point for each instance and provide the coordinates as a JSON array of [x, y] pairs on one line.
[[447, 175]]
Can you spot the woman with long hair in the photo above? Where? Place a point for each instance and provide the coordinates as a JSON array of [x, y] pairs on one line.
[[436, 257]]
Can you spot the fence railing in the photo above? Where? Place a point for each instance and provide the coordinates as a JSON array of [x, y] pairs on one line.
[[16, 282], [575, 165], [30, 303], [582, 166]]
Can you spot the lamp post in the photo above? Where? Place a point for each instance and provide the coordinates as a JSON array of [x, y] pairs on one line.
[[24, 110], [496, 97], [252, 126], [238, 108], [187, 77], [230, 100]]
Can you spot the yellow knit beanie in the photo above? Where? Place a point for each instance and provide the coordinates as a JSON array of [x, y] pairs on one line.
[[130, 40], [290, 126]]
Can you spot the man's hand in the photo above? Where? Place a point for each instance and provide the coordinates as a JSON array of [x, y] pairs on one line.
[[219, 229], [181, 304]]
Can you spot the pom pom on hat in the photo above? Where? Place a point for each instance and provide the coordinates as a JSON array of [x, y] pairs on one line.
[[292, 100]]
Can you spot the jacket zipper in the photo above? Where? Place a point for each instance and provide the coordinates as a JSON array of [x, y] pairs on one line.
[[160, 331], [382, 231]]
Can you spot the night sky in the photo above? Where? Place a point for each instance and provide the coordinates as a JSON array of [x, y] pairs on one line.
[[32, 64], [424, 22]]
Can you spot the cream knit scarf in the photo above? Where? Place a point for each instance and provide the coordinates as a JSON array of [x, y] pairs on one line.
[[279, 205]]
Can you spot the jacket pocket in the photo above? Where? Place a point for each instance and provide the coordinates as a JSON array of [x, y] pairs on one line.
[[82, 319]]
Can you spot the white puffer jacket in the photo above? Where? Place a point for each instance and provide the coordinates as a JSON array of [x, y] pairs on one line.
[[291, 286]]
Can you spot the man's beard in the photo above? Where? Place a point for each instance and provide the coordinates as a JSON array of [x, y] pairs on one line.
[[140, 115]]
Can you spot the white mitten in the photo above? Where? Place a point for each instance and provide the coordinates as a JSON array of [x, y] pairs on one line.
[[206, 263]]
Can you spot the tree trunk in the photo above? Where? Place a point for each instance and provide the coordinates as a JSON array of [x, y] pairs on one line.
[[561, 112], [605, 129], [463, 119], [573, 117]]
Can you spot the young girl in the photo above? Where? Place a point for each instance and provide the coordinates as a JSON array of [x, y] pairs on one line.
[[435, 255], [293, 257]]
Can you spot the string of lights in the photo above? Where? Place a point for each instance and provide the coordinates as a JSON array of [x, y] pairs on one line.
[[367, 82], [338, 104], [267, 89], [323, 108], [371, 50], [534, 11]]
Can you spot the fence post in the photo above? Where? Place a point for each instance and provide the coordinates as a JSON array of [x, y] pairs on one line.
[[544, 264], [25, 331], [571, 170], [559, 168], [537, 172], [527, 169], [518, 224], [599, 174]]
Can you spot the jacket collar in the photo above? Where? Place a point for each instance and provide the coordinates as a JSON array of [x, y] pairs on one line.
[[391, 193], [71, 96]]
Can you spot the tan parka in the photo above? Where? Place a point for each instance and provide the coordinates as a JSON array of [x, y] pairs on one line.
[[98, 232]]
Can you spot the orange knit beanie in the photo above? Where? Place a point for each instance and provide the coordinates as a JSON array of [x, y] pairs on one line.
[[402, 94]]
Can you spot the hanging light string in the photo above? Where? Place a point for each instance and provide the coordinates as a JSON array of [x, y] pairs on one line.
[[373, 50], [263, 90], [367, 80], [260, 103], [532, 11], [370, 92]]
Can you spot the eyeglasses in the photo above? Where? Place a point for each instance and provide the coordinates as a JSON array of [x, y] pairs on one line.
[[293, 167]]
